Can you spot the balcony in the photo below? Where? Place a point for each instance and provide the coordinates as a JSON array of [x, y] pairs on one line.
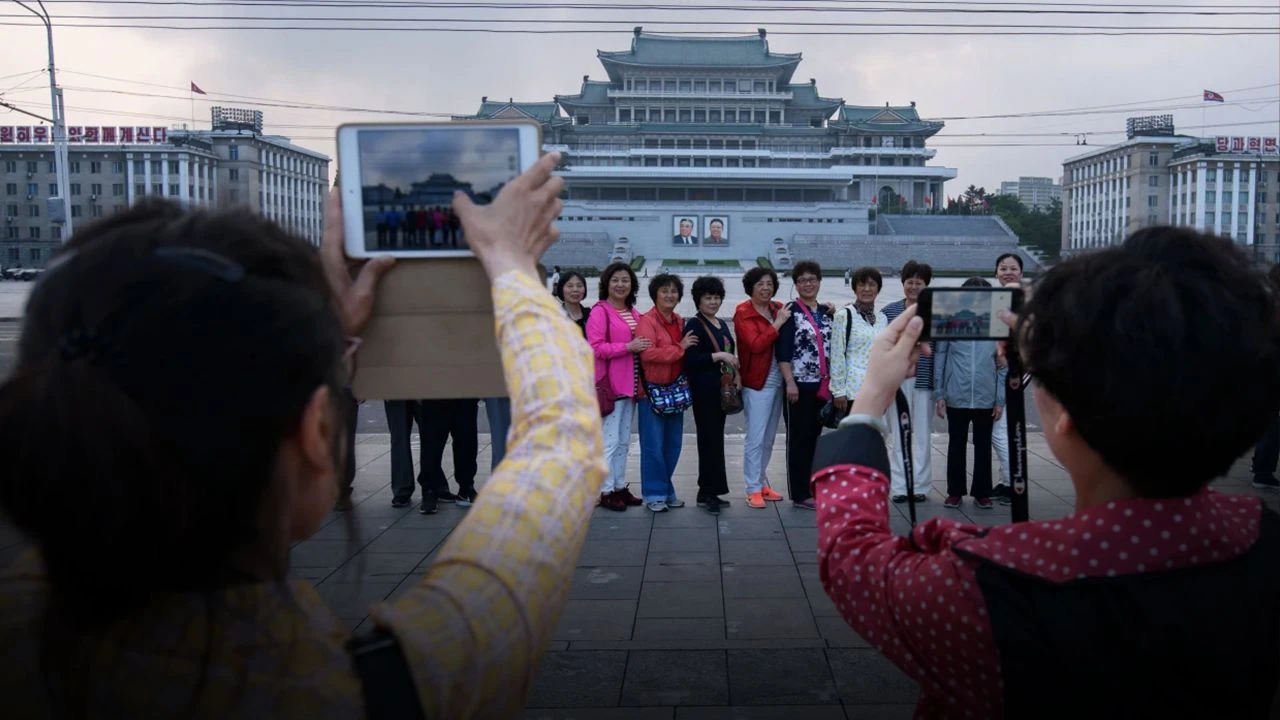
[[695, 95]]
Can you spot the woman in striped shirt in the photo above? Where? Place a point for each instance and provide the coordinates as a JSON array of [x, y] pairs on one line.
[[916, 276]]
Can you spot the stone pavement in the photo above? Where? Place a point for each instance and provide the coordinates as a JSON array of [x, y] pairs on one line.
[[681, 614]]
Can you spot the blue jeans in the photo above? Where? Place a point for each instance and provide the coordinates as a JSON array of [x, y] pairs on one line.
[[498, 411], [660, 441]]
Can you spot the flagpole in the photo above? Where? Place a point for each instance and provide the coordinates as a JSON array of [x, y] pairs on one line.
[[192, 93]]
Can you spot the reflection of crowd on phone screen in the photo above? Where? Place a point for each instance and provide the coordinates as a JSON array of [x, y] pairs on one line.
[[419, 226]]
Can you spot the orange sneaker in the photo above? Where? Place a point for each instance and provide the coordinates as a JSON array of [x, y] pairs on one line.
[[755, 500], [770, 494]]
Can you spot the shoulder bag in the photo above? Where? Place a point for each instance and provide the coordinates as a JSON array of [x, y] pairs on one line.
[[606, 398], [730, 393]]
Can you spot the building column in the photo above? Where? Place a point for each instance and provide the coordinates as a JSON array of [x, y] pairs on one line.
[[1173, 197], [1234, 211], [1253, 197], [184, 179], [146, 173], [1217, 200], [128, 180], [1201, 169]]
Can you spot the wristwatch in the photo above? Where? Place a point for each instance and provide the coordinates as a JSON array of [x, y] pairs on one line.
[[875, 421]]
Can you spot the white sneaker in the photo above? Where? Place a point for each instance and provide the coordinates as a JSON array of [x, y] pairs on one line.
[[658, 506], [675, 503]]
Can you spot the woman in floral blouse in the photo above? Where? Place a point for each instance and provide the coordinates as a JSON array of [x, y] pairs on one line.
[[802, 351], [855, 327]]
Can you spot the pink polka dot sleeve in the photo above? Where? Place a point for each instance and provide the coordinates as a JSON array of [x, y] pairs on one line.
[[911, 598]]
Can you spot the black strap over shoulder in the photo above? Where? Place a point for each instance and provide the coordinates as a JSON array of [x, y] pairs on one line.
[[389, 690]]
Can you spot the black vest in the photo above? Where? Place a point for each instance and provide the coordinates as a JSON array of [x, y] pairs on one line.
[[1200, 643]]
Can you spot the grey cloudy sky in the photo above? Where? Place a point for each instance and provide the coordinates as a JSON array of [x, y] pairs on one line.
[[948, 77]]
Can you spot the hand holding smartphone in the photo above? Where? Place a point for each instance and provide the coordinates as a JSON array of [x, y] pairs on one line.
[[967, 313]]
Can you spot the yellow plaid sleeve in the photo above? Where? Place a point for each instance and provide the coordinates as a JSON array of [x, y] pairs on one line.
[[475, 627]]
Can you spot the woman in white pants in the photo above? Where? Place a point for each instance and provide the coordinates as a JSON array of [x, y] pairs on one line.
[[1008, 272], [756, 321], [919, 391]]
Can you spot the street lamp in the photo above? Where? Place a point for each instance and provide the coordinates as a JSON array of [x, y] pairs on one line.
[[57, 206]]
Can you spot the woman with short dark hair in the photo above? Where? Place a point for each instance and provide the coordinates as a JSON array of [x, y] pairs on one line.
[[803, 351], [662, 372], [707, 362], [611, 332], [756, 321], [854, 329], [571, 290]]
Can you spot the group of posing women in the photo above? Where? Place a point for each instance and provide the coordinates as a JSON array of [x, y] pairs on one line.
[[801, 362]]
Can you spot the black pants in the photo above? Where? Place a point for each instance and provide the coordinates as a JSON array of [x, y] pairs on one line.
[[1267, 452], [958, 421], [442, 419], [352, 416], [708, 419], [803, 431], [401, 415]]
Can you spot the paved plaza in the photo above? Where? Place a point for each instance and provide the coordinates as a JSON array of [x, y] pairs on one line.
[[681, 614]]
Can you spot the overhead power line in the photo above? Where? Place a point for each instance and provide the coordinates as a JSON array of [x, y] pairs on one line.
[[739, 6], [599, 7], [1010, 31]]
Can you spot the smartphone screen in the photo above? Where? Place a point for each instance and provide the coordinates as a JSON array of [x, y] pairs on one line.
[[408, 177], [966, 313]]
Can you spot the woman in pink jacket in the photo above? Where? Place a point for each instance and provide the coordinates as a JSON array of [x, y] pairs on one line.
[[611, 331]]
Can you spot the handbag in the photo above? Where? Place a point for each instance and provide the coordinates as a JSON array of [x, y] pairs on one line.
[[830, 416], [730, 393], [824, 385], [606, 398], [673, 398]]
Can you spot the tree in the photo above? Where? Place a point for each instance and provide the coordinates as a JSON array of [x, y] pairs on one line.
[[1041, 229]]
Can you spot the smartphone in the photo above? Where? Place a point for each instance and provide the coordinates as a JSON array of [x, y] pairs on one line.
[[398, 181], [967, 313]]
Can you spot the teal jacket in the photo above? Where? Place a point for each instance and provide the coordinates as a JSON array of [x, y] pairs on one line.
[[966, 376]]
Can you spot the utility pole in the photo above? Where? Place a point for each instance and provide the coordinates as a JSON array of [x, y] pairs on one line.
[[57, 206]]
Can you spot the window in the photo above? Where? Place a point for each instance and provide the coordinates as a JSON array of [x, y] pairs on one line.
[[33, 233], [1153, 200], [56, 232], [95, 210], [75, 166], [75, 189], [95, 189], [157, 189], [117, 189], [1153, 159], [139, 189], [1153, 181], [10, 166], [173, 167], [33, 254], [34, 189], [1153, 220], [1210, 196], [1227, 175], [173, 190], [11, 189], [95, 168], [117, 167], [75, 211], [157, 167], [11, 232], [33, 211]]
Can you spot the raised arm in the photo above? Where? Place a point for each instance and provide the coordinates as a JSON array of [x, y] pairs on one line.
[[477, 623], [474, 628]]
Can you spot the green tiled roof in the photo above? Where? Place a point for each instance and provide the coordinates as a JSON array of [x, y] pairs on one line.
[[709, 52], [594, 92], [886, 118], [541, 111], [806, 96]]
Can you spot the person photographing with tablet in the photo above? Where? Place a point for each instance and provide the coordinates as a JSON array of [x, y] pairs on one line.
[[181, 601]]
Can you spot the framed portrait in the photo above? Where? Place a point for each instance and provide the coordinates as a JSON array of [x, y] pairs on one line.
[[715, 230], [684, 230]]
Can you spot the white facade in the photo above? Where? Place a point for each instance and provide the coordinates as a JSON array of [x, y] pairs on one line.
[[1111, 192], [1225, 195], [1034, 192]]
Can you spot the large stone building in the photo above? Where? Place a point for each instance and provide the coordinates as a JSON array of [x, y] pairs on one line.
[[1037, 193], [1159, 177], [110, 168], [709, 149]]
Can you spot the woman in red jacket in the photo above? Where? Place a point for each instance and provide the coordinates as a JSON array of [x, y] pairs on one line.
[[662, 368], [755, 323]]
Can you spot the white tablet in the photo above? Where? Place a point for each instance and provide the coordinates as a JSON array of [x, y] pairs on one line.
[[398, 180]]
